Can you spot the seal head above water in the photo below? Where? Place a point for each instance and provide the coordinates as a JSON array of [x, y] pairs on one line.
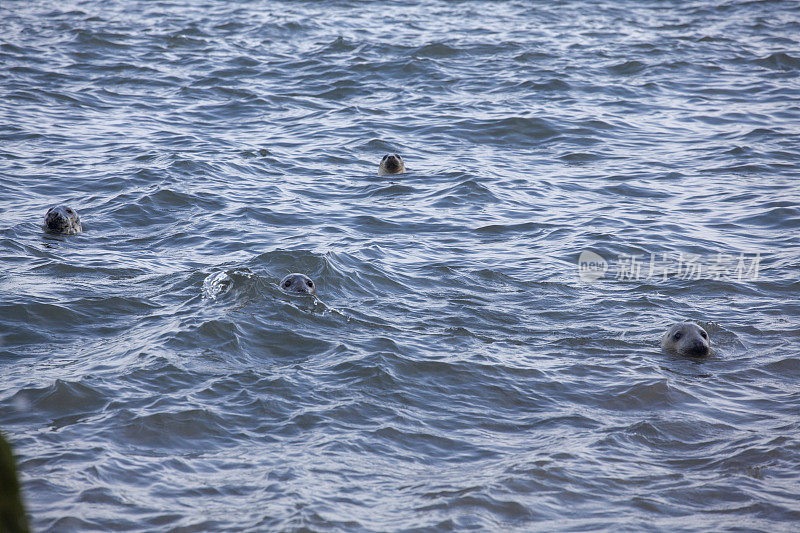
[[686, 339], [63, 220], [298, 284], [391, 164]]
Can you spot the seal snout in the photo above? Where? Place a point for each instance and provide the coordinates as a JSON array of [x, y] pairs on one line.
[[697, 349], [54, 222], [392, 164]]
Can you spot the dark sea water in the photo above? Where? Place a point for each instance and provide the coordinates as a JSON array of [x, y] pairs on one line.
[[457, 371]]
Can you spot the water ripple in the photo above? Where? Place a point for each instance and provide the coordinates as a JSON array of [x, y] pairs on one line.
[[454, 371]]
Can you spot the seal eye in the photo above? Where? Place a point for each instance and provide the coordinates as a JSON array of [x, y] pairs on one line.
[[677, 335], [384, 157], [398, 156], [70, 211], [310, 283], [287, 284], [703, 334]]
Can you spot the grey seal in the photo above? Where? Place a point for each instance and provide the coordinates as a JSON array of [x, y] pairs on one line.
[[298, 284], [391, 164], [688, 339], [62, 219]]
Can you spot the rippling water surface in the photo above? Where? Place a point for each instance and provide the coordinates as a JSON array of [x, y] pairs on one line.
[[455, 372]]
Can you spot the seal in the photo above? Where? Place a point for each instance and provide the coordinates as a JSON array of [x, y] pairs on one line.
[[391, 164], [63, 220], [688, 339], [298, 284]]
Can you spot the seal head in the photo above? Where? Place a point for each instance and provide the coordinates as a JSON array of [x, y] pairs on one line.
[[298, 284], [391, 164], [687, 339], [63, 220]]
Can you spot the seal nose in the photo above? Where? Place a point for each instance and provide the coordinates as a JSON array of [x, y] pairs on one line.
[[55, 221], [698, 349], [391, 163]]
